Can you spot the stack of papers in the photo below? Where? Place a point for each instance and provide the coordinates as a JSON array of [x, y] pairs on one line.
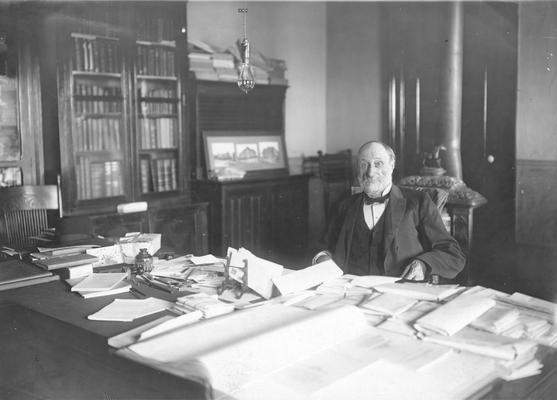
[[420, 291], [497, 320], [209, 305], [388, 304], [343, 286], [454, 315], [128, 310], [100, 284]]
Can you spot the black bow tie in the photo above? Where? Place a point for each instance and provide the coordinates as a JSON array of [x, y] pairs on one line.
[[376, 200]]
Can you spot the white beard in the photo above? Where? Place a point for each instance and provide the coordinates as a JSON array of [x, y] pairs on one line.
[[374, 186]]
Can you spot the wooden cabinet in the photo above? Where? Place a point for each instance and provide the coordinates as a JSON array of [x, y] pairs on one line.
[[222, 106], [267, 217], [121, 113], [183, 227]]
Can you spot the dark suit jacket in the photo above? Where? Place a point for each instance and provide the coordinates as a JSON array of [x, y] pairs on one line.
[[413, 230]]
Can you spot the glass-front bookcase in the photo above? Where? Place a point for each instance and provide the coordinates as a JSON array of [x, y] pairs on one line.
[[121, 105]]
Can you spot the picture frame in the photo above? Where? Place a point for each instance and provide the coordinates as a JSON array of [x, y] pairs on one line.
[[244, 154]]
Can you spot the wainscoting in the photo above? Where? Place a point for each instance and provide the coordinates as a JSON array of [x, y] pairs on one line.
[[536, 202]]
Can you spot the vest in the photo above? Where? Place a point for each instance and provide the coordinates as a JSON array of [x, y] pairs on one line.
[[366, 256]]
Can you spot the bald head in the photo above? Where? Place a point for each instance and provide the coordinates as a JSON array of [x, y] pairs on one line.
[[375, 144], [376, 163]]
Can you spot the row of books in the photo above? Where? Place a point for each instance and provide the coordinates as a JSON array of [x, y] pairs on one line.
[[96, 89], [97, 106], [96, 54], [97, 134], [156, 92], [148, 107], [98, 179], [155, 60], [158, 175], [157, 132]]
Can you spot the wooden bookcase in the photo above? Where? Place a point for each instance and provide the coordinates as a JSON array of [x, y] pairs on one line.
[[21, 152], [121, 130], [121, 113]]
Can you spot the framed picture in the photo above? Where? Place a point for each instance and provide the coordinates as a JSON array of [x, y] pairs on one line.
[[235, 154]]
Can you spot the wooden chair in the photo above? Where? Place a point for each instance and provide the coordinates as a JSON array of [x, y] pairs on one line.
[[438, 196], [336, 173], [26, 211]]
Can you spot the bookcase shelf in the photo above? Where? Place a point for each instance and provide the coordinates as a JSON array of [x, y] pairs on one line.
[[156, 78], [100, 75]]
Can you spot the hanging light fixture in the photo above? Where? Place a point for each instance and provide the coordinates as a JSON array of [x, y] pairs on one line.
[[246, 79]]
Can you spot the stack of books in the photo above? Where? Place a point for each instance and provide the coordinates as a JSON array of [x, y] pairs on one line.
[[223, 63], [201, 64], [16, 273], [68, 264]]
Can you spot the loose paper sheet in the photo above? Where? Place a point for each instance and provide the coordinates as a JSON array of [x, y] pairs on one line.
[[128, 310], [307, 277]]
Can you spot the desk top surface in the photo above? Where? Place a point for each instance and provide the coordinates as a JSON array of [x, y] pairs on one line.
[[56, 300]]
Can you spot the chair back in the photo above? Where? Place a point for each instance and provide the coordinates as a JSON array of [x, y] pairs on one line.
[[25, 211], [336, 173], [437, 195]]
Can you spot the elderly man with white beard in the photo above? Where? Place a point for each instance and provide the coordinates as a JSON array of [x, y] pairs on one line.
[[387, 230]]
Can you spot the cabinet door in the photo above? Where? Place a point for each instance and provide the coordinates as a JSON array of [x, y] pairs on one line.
[[244, 220], [159, 126], [91, 96]]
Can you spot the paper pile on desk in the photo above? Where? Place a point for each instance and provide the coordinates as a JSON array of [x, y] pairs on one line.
[[100, 284], [454, 315], [420, 291], [209, 305], [128, 310], [308, 277]]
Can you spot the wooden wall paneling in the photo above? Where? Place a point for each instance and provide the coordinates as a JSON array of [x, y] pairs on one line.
[[244, 219], [536, 210]]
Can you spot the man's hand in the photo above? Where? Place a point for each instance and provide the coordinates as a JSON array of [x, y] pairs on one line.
[[415, 271], [321, 256]]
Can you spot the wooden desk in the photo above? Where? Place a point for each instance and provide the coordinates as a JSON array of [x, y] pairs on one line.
[[58, 353], [55, 352]]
